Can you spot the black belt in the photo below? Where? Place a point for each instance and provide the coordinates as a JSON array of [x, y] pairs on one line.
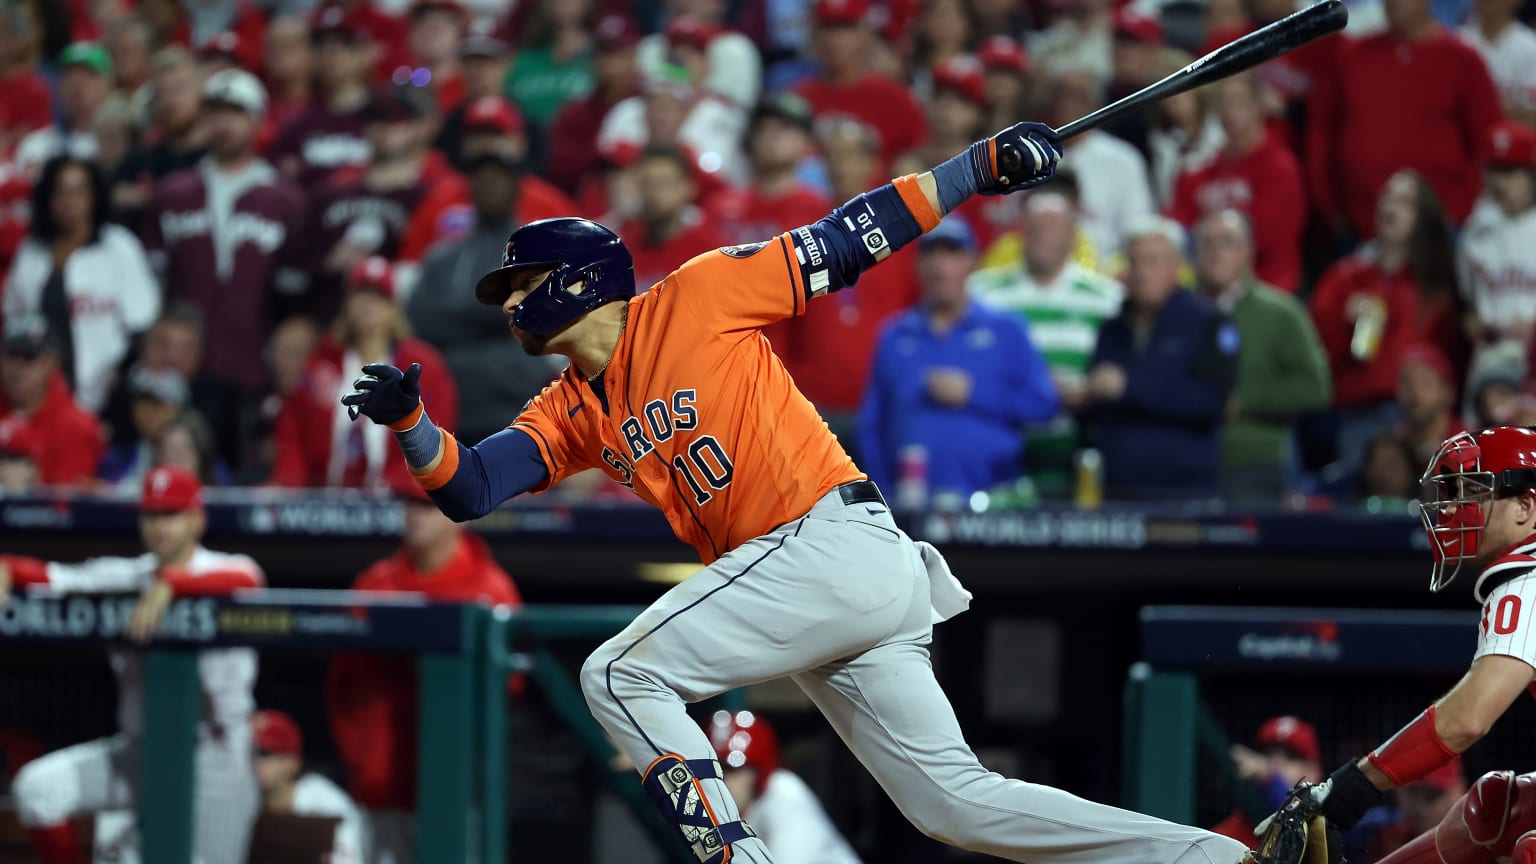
[[861, 492]]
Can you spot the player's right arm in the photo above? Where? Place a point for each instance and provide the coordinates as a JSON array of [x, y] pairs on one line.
[[466, 482], [747, 287]]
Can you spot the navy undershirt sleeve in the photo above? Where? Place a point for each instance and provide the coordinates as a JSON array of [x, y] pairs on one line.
[[503, 465]]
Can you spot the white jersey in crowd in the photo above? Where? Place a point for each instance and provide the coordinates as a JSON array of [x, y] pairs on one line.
[[1494, 262], [113, 294], [316, 795], [1508, 623], [1511, 59], [226, 674], [712, 131], [1113, 188], [792, 824]]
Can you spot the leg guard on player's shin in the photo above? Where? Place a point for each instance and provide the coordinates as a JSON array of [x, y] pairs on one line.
[[1525, 849], [673, 784]]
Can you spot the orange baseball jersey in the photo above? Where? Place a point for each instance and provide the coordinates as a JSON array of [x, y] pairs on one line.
[[702, 420]]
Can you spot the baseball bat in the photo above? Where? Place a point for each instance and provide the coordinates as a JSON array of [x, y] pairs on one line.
[[1266, 43]]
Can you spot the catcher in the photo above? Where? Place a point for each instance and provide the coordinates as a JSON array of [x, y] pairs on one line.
[[1479, 506]]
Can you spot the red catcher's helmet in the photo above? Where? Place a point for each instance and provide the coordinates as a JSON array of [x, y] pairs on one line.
[[742, 740], [1468, 472]]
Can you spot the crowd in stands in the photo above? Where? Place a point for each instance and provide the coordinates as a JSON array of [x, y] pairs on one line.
[[1287, 286]]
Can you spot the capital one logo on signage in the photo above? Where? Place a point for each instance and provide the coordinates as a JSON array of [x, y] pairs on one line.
[[1317, 641]]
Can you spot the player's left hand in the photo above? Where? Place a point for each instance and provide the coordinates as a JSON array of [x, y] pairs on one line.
[[1019, 157], [384, 394], [148, 612]]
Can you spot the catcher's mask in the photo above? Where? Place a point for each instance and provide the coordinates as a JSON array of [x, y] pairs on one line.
[[1458, 489]]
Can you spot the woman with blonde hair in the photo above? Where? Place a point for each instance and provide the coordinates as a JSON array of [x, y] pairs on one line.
[[317, 444], [1184, 134]]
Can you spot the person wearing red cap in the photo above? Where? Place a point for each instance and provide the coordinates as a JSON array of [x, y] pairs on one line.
[[1284, 752], [329, 134], [287, 788], [1254, 174], [573, 151], [372, 699], [674, 111], [1495, 268], [483, 60], [436, 34], [844, 84], [315, 445], [1357, 139], [781, 808], [1371, 306], [103, 774], [19, 455], [1006, 68], [1426, 397], [1421, 806]]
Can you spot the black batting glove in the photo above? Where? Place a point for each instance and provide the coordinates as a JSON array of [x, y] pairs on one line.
[[384, 394]]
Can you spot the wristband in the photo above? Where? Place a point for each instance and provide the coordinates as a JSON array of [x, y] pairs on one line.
[[959, 178], [420, 442], [1415, 751], [1350, 795]]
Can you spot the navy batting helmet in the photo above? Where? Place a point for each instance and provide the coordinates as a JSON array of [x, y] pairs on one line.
[[574, 250]]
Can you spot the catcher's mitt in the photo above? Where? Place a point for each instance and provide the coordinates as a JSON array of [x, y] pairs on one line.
[[1298, 833]]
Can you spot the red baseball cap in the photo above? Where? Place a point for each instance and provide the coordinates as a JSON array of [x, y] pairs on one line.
[[226, 44], [1138, 25], [332, 19], [493, 114], [963, 75], [275, 732], [841, 12], [168, 489], [1292, 733], [18, 441], [1003, 52], [688, 30], [372, 273], [1509, 145], [615, 33], [1429, 355]]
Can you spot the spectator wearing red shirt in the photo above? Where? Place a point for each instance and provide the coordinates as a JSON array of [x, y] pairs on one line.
[[1370, 307], [372, 699], [288, 67], [437, 28], [670, 229], [955, 111], [573, 154], [1007, 70], [1426, 397], [843, 333], [778, 139], [329, 134], [845, 85], [1416, 96], [26, 100], [32, 391], [386, 35], [1256, 176], [317, 444]]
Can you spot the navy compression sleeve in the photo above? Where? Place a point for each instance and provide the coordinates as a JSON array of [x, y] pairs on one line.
[[860, 234], [501, 466]]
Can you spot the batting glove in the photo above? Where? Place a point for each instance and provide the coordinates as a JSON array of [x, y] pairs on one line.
[[384, 394], [1019, 157]]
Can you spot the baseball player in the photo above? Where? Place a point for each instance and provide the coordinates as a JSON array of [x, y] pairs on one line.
[[675, 394], [1479, 508], [104, 774], [783, 811]]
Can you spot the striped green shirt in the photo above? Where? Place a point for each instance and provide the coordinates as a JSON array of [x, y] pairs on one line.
[[1063, 316]]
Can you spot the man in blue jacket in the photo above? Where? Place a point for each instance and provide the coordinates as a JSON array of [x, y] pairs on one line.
[[954, 378], [1160, 377]]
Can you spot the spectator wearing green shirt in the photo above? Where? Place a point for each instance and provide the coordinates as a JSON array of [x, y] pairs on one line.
[[553, 65], [1063, 304], [1282, 370]]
